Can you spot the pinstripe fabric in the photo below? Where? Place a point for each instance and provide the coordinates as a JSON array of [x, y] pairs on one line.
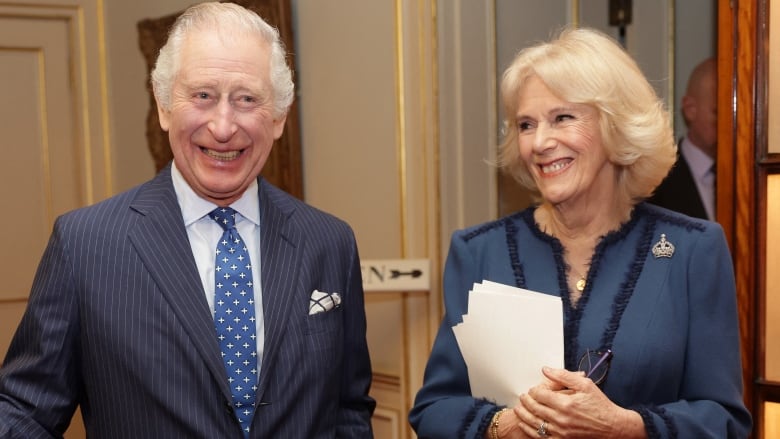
[[117, 297]]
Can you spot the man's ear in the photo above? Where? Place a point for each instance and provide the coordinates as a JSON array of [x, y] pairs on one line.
[[279, 125], [688, 107], [163, 115]]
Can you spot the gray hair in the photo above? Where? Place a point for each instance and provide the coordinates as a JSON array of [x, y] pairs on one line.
[[229, 18], [587, 67]]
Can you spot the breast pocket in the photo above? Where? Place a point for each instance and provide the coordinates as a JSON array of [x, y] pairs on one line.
[[324, 331]]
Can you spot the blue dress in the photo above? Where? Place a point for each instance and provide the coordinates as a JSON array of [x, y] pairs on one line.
[[671, 320]]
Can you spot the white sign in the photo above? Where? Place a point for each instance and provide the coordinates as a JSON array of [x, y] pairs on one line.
[[396, 274]]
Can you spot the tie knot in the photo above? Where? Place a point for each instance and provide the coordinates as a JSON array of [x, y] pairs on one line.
[[224, 216]]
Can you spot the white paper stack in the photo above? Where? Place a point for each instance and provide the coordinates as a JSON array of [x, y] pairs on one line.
[[507, 336]]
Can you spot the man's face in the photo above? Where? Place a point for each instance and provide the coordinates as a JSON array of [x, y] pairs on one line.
[[701, 111], [220, 122]]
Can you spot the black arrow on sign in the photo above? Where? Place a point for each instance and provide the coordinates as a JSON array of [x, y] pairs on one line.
[[396, 273]]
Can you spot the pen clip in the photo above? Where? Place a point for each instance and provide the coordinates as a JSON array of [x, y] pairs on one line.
[[604, 357]]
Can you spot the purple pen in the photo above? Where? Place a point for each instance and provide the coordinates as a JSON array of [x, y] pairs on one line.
[[603, 358]]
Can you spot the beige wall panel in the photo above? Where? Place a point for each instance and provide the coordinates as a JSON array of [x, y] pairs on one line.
[[772, 279], [389, 420], [127, 86], [773, 130], [387, 423], [771, 427], [468, 132], [69, 35], [52, 69], [50, 170], [369, 146], [59, 143], [24, 180], [384, 334], [346, 83], [695, 38], [56, 137]]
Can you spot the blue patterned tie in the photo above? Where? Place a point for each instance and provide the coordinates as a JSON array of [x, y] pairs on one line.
[[234, 316]]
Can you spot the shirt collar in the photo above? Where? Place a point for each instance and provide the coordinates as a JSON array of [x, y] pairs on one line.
[[699, 162], [193, 207]]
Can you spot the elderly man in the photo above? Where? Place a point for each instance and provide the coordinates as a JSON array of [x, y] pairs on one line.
[[205, 303], [690, 186]]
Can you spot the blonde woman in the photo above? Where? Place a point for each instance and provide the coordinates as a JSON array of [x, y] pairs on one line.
[[649, 291]]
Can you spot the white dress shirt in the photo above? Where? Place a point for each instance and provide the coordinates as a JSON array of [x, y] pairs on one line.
[[203, 233], [703, 173]]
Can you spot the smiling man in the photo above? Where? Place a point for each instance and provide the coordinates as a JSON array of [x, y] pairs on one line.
[[205, 303]]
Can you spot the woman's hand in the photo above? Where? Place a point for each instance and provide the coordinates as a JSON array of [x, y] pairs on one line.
[[572, 406], [509, 426]]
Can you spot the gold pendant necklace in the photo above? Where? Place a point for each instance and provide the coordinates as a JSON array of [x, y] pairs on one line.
[[582, 281]]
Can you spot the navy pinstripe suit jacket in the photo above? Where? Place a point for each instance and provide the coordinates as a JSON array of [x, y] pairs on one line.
[[118, 323]]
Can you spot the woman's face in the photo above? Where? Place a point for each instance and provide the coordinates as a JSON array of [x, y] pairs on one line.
[[560, 143]]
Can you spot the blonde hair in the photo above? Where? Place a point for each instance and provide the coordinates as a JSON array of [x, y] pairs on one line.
[[585, 66]]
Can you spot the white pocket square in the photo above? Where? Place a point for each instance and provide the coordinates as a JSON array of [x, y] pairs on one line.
[[322, 302]]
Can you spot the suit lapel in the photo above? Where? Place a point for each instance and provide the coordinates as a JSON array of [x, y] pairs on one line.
[[280, 259], [161, 241]]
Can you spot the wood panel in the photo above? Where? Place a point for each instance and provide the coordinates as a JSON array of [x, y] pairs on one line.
[[383, 177], [771, 428], [736, 141], [25, 177], [769, 281], [766, 385], [398, 340], [389, 420], [51, 169]]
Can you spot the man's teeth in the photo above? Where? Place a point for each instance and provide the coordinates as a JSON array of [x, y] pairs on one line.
[[228, 155], [557, 166]]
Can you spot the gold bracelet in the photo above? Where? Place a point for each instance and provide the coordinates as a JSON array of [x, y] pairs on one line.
[[494, 423]]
